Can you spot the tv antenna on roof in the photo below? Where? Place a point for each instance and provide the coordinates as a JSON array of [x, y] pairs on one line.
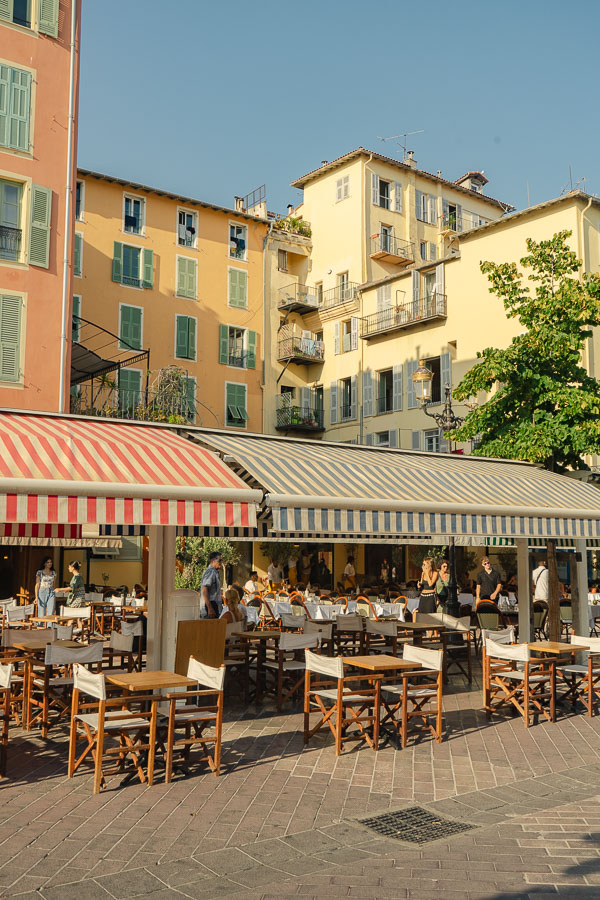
[[396, 137]]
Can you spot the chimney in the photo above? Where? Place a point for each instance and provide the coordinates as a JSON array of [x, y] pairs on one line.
[[238, 204], [323, 162], [290, 209], [410, 159]]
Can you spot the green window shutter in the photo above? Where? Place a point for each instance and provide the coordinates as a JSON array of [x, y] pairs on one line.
[[190, 397], [235, 403], [10, 338], [6, 10], [49, 17], [39, 232], [182, 337], [238, 288], [148, 269], [186, 277], [131, 327], [4, 101], [191, 339], [251, 347], [130, 388], [224, 344], [76, 312], [18, 125], [77, 254], [241, 401], [117, 266]]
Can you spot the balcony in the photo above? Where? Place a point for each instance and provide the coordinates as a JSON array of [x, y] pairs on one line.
[[299, 348], [342, 293], [10, 243], [298, 298], [424, 309], [453, 223], [386, 248], [105, 399], [299, 418]]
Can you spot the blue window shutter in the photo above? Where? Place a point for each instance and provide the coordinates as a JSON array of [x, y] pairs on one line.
[[117, 266], [336, 338], [416, 440], [393, 437], [10, 338], [77, 253], [224, 344], [353, 397], [333, 403], [397, 196], [369, 440], [19, 106], [148, 270], [49, 17], [397, 388], [445, 372], [367, 387], [39, 233], [354, 332], [375, 188], [251, 350], [411, 394]]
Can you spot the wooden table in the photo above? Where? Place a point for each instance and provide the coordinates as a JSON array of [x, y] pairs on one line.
[[555, 648], [43, 618], [418, 629], [33, 646], [380, 662], [260, 638], [149, 680]]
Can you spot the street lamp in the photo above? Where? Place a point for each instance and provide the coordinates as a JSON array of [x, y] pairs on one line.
[[447, 421]]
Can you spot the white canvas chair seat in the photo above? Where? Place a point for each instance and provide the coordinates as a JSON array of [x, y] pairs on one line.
[[187, 714], [573, 667], [288, 665], [414, 704], [55, 689], [519, 675], [350, 695], [57, 681], [110, 723]]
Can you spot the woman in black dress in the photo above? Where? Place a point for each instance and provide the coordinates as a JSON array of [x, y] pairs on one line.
[[426, 586]]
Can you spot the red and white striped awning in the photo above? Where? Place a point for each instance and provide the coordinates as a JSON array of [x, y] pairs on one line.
[[77, 471], [34, 534]]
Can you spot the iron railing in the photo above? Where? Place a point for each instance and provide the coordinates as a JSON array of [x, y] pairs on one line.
[[131, 280], [239, 360], [301, 348], [384, 404], [463, 222], [387, 243], [342, 293], [348, 411], [304, 418], [298, 295], [430, 306], [109, 401], [10, 242]]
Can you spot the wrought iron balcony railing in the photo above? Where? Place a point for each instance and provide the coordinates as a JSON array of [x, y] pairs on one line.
[[300, 349], [342, 293], [298, 298], [430, 306], [105, 399], [10, 242], [300, 418], [388, 248]]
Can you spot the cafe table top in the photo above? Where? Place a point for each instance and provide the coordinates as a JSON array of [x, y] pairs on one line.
[[149, 680], [43, 618], [257, 635], [380, 662], [556, 647], [34, 646], [422, 626]]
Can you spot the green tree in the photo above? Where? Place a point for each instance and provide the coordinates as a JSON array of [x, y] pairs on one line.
[[542, 406], [194, 552]]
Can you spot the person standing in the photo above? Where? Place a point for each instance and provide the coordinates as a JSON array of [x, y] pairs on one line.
[[350, 575], [76, 597], [45, 582], [426, 586], [540, 578], [292, 569], [275, 575], [210, 587], [489, 582], [252, 585], [384, 575], [442, 585]]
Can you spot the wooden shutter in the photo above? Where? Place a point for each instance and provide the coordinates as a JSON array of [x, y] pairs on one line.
[[440, 287], [251, 350], [77, 253], [148, 270], [19, 108], [4, 101], [131, 326], [130, 384], [10, 338], [432, 210], [432, 251], [333, 403], [353, 332], [76, 312], [39, 233], [459, 222], [305, 400], [367, 392], [337, 347], [446, 212], [240, 394], [419, 204], [411, 394], [353, 396], [49, 17], [339, 190], [182, 342], [117, 266], [369, 440], [238, 284], [224, 344], [345, 187], [397, 387], [6, 10], [392, 438], [375, 188], [416, 291], [445, 373], [191, 338], [397, 196], [186, 277], [416, 440]]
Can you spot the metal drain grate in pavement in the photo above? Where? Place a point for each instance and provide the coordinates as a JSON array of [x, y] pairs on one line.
[[415, 825]]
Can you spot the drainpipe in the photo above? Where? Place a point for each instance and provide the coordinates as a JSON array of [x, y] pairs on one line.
[[68, 207], [364, 255], [581, 241], [266, 313]]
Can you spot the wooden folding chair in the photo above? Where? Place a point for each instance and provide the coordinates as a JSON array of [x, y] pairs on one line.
[[50, 691], [113, 718], [18, 616], [6, 675], [413, 704], [348, 634], [285, 673], [512, 678], [136, 629], [191, 711], [350, 714], [325, 632], [118, 652], [380, 637], [292, 622], [582, 681]]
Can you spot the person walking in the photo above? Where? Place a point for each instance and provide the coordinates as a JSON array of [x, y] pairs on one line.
[[540, 579], [210, 588], [76, 597], [427, 586], [45, 582], [489, 583], [442, 585]]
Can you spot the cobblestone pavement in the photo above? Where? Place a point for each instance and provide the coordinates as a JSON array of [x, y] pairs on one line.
[[282, 820]]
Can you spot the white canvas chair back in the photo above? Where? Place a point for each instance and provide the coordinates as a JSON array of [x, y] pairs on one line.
[[387, 628], [62, 632], [292, 621], [290, 641], [123, 642], [592, 642], [350, 623], [433, 619], [89, 682], [506, 636], [324, 629], [7, 603], [63, 656], [10, 635], [75, 612], [208, 676], [5, 675], [462, 624], [429, 659], [94, 597], [284, 607], [18, 613], [251, 615], [518, 652], [325, 665], [135, 628]]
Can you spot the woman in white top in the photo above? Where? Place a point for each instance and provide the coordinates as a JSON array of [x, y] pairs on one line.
[[45, 582], [252, 585]]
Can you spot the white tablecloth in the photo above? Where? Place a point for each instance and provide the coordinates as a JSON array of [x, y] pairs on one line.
[[390, 609], [279, 607]]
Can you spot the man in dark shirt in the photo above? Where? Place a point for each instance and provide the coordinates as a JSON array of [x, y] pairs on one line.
[[210, 588], [489, 583]]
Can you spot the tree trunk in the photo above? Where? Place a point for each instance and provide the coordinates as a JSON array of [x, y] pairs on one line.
[[553, 604]]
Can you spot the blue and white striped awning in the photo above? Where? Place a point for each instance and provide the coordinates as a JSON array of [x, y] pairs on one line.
[[329, 489]]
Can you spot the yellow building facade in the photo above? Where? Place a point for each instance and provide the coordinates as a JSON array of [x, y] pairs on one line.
[[182, 279]]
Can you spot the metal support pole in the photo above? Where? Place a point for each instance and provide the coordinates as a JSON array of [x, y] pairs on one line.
[[579, 590], [452, 605], [524, 582]]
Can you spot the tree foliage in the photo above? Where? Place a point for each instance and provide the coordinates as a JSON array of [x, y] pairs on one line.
[[543, 406], [193, 552]]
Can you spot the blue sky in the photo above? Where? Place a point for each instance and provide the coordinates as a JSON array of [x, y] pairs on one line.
[[213, 99]]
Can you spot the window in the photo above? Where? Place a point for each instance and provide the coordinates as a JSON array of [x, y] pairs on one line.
[[382, 439], [10, 337], [235, 405], [436, 385], [78, 254], [79, 200], [342, 188], [425, 207], [319, 403], [385, 391], [348, 397], [130, 327], [132, 266], [185, 337], [386, 237], [186, 228], [133, 215], [346, 336], [130, 391], [429, 284], [76, 331], [319, 336], [432, 441], [238, 241], [319, 292], [10, 220], [238, 288], [452, 221], [186, 277], [21, 13], [423, 247], [15, 103], [343, 286], [237, 347], [282, 260]]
